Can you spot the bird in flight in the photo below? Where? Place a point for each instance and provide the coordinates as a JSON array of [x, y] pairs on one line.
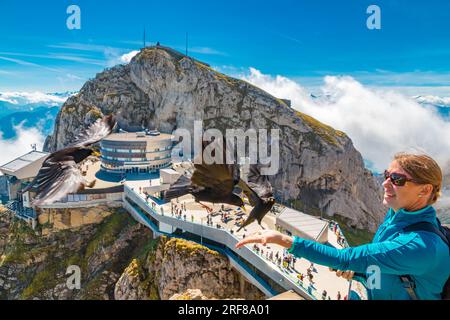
[[208, 182], [60, 173], [259, 193]]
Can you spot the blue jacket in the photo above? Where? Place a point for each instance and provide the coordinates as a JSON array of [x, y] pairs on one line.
[[422, 254]]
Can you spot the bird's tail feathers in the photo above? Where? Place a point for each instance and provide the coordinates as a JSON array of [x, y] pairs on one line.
[[246, 223]]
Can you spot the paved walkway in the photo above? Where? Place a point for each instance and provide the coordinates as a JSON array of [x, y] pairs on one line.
[[323, 278]]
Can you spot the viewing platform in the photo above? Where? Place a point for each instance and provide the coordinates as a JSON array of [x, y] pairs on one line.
[[256, 262]]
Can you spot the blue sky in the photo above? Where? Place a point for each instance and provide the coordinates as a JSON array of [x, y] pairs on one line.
[[302, 39]]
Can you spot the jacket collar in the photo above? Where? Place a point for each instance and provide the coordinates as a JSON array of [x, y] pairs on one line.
[[405, 218]]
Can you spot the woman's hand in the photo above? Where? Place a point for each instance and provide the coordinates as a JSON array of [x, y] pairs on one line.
[[267, 236], [347, 275]]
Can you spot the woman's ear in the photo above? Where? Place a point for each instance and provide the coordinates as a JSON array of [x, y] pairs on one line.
[[426, 190]]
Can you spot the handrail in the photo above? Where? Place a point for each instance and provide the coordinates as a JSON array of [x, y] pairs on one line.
[[293, 283], [225, 251]]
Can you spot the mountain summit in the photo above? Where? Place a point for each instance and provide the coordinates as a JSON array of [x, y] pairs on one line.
[[320, 170]]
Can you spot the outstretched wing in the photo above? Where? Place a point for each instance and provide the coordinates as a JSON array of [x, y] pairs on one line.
[[55, 180], [252, 196], [96, 132], [218, 177], [257, 186], [259, 183]]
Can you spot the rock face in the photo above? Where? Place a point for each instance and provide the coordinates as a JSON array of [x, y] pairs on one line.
[[70, 218], [181, 269], [117, 259], [320, 170], [189, 294], [33, 265]]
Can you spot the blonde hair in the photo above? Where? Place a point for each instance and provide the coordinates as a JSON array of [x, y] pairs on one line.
[[423, 170]]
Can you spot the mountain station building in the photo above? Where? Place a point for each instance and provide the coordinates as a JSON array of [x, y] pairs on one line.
[[136, 152]]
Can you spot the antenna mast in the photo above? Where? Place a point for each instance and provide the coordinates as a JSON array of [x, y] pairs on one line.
[[186, 44], [144, 36]]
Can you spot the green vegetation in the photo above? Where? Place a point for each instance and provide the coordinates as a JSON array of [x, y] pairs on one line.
[[91, 289], [68, 109], [219, 76], [19, 252], [96, 112], [25, 246], [354, 236], [47, 278], [43, 280], [323, 130], [107, 232], [192, 248], [143, 252]]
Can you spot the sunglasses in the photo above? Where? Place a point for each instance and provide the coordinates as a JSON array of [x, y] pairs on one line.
[[397, 179]]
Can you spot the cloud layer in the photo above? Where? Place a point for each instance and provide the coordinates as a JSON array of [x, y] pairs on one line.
[[433, 100], [22, 98], [380, 123], [13, 148]]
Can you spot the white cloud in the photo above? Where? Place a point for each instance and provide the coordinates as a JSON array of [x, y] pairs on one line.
[[126, 58], [115, 58], [32, 97], [13, 148], [434, 100], [206, 50], [379, 122]]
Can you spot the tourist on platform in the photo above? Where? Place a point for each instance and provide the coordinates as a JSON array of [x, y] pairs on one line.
[[413, 263]]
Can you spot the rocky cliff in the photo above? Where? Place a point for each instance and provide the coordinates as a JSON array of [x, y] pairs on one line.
[[33, 265], [178, 266], [321, 171], [118, 259]]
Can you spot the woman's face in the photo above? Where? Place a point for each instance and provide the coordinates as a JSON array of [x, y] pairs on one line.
[[411, 196]]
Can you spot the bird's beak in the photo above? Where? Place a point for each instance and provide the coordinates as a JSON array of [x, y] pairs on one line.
[[243, 209]]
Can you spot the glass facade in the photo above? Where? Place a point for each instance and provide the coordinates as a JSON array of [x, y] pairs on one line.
[[120, 155]]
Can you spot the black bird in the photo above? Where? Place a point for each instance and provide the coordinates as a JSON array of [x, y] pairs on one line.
[[209, 182], [259, 193], [60, 173]]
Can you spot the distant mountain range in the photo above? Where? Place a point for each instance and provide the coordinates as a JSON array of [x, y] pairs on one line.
[[440, 104], [29, 109], [42, 117]]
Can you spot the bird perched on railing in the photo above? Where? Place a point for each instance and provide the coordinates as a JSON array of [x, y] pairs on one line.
[[259, 193], [60, 173]]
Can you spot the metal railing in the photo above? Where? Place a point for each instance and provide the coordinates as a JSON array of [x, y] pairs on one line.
[[225, 251], [223, 236], [21, 211]]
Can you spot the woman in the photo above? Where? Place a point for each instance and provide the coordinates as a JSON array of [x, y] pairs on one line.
[[412, 184]]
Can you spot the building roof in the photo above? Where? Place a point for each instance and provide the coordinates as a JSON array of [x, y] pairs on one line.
[[21, 163], [169, 171], [306, 225], [137, 136]]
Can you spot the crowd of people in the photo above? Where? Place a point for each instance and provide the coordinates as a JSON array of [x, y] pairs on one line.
[[339, 236], [179, 210], [287, 262], [283, 259]]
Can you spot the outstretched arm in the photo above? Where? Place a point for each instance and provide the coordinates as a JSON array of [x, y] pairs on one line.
[[406, 254]]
